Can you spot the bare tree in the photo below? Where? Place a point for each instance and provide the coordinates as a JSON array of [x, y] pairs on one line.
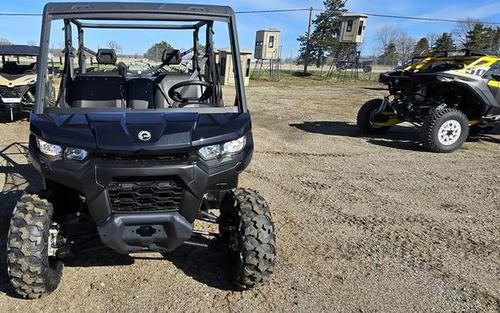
[[462, 30], [5, 41], [431, 37], [32, 43], [405, 45], [387, 34], [115, 46]]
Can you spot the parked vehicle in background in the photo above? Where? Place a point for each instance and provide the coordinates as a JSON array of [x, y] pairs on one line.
[[17, 78], [446, 97]]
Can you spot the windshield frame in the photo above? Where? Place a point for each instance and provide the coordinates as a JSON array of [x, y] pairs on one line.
[[132, 12]]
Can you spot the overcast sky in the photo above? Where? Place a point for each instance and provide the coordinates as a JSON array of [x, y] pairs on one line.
[[23, 29]]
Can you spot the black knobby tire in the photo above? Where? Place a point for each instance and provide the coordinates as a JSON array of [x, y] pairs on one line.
[[32, 273], [365, 115], [252, 241], [435, 121]]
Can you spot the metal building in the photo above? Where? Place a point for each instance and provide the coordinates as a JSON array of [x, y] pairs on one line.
[[352, 29]]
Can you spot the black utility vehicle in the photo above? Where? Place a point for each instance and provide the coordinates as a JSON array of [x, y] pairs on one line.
[[447, 97], [133, 158]]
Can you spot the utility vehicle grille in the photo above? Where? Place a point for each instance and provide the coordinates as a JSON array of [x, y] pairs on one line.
[[7, 92], [136, 194], [144, 157]]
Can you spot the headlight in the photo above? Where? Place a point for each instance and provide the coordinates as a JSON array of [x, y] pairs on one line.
[[210, 152], [234, 146], [228, 148], [49, 149], [75, 154]]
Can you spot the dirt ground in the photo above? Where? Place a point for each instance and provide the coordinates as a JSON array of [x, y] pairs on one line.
[[363, 224]]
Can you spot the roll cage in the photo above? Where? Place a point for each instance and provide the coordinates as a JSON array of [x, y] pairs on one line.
[[138, 16]]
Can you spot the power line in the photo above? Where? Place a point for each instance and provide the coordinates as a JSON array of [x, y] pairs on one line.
[[19, 14], [416, 18], [432, 19]]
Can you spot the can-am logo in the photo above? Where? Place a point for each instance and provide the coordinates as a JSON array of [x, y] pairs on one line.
[[144, 135]]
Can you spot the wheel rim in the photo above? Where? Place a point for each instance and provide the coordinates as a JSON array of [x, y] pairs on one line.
[[372, 117], [449, 132]]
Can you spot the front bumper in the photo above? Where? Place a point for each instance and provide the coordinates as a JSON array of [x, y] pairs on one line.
[[8, 103], [161, 230], [127, 233]]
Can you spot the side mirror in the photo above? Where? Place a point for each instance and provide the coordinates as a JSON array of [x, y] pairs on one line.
[[495, 77], [171, 57]]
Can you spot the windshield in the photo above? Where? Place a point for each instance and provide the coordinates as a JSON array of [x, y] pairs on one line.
[[18, 65], [98, 65]]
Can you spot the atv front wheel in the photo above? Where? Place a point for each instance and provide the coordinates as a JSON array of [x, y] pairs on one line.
[[247, 226], [366, 115], [31, 271], [445, 130]]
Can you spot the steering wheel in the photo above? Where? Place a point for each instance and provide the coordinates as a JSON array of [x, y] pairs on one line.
[[178, 97]]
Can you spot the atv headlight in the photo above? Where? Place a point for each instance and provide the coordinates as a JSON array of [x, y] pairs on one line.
[[209, 152], [234, 146], [48, 148], [76, 154], [228, 148]]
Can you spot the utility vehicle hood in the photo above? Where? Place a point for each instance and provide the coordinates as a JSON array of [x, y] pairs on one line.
[[16, 80], [139, 132]]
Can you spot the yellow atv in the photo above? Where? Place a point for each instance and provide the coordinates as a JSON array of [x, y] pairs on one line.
[[446, 99], [17, 78]]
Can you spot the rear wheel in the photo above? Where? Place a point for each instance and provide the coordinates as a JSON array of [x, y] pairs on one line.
[[31, 271], [246, 225], [366, 115], [445, 130]]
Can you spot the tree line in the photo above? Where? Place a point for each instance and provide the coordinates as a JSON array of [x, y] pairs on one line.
[[396, 47]]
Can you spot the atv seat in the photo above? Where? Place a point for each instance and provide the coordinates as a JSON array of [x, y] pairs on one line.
[[140, 93], [97, 90]]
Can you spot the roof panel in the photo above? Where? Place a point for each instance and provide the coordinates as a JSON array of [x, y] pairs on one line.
[[19, 50], [134, 7]]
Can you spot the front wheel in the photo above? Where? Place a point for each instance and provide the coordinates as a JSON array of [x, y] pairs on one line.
[[246, 224], [366, 115], [31, 270], [445, 130]]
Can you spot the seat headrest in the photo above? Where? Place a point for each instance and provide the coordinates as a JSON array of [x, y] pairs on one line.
[[106, 56]]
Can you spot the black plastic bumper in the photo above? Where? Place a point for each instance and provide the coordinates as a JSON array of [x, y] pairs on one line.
[[129, 232]]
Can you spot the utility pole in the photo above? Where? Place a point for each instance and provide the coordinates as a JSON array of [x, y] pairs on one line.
[[308, 43]]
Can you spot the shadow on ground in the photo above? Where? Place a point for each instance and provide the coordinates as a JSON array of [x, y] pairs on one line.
[[397, 137], [207, 266], [375, 88]]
